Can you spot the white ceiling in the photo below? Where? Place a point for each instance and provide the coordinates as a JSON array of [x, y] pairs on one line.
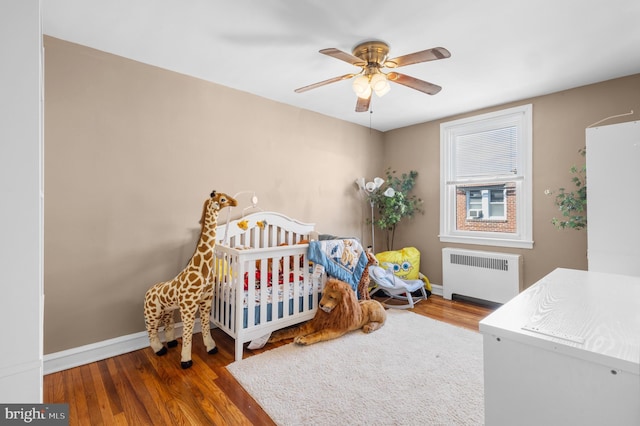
[[501, 50]]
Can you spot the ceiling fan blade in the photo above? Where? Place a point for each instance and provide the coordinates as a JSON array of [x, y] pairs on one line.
[[363, 104], [414, 83], [322, 83], [417, 57], [343, 56]]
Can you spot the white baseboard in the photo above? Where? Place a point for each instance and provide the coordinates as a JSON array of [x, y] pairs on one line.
[[436, 289], [98, 351]]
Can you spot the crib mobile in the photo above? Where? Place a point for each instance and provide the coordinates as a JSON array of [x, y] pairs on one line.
[[244, 224]]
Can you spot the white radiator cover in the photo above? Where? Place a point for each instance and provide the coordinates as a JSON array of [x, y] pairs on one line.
[[491, 276]]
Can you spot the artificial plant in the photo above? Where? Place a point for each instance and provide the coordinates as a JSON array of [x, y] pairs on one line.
[[572, 204], [391, 209]]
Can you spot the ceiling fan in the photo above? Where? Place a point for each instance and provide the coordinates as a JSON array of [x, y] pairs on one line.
[[371, 57]]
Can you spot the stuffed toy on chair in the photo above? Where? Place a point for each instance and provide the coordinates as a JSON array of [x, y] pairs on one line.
[[405, 264]]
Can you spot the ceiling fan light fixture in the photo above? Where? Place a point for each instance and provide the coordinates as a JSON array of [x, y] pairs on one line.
[[361, 86], [383, 90], [380, 84]]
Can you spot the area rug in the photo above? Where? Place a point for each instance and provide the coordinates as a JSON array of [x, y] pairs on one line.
[[413, 371]]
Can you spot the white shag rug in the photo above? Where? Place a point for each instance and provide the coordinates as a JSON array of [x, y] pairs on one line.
[[413, 371]]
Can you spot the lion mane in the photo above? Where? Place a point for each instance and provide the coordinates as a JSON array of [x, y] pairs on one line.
[[346, 315]]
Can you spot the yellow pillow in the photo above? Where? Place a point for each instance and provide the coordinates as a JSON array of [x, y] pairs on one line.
[[405, 262]]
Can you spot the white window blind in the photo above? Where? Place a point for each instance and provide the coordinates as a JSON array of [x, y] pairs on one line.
[[490, 153]]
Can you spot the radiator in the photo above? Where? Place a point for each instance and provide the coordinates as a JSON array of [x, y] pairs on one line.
[[494, 277]]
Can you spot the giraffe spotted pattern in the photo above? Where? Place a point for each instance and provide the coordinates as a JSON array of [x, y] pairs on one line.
[[190, 290]]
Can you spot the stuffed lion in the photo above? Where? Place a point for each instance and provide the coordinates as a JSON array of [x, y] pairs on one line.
[[339, 312]]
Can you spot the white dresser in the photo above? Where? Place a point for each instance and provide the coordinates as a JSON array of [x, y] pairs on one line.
[[566, 351]]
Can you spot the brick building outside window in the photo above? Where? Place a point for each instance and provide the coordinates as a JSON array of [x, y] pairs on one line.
[[486, 208]]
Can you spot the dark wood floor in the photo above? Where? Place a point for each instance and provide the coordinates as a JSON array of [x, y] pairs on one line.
[[140, 388]]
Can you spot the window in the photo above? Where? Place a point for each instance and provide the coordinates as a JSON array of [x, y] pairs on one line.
[[485, 179]]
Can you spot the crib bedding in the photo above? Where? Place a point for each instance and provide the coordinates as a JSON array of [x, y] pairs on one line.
[[270, 274], [280, 298], [269, 289]]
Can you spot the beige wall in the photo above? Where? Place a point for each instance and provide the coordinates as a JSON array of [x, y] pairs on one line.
[[559, 122], [132, 151]]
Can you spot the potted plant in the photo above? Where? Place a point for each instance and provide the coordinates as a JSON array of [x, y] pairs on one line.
[[393, 203], [572, 204]]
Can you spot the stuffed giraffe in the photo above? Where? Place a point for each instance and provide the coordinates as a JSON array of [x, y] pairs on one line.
[[190, 290], [365, 280]]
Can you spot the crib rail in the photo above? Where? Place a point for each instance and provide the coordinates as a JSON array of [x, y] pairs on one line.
[[262, 230]]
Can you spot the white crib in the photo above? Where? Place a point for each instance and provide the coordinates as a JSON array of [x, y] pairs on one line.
[[263, 278]]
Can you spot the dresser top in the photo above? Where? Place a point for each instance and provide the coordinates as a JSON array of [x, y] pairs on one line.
[[591, 315]]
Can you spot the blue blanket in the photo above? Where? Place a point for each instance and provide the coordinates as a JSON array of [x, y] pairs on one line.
[[343, 259]]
